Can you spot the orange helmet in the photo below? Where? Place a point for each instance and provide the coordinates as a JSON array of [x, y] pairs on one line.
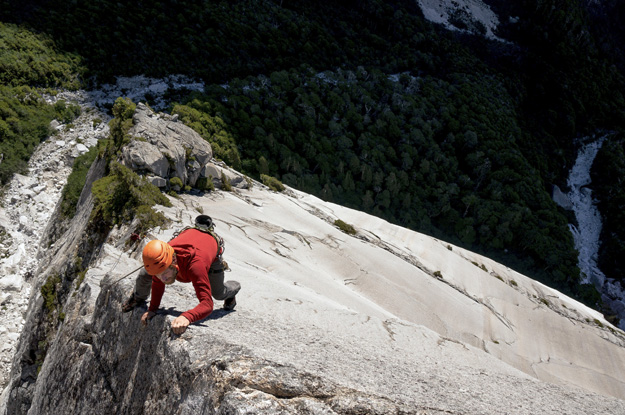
[[157, 256]]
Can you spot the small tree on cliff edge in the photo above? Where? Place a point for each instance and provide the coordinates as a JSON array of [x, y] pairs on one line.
[[123, 110]]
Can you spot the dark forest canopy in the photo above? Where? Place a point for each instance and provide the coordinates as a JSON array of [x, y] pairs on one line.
[[390, 146], [367, 104]]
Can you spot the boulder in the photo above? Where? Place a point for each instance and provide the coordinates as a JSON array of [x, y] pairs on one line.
[[12, 282], [141, 155], [11, 264], [157, 181], [23, 182], [81, 148], [4, 298], [561, 198], [171, 148], [215, 171]]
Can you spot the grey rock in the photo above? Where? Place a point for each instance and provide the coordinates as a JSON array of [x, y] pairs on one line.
[[23, 182], [38, 189], [27, 193], [12, 282], [141, 155], [5, 298], [91, 141], [81, 148], [157, 181], [561, 198], [171, 149], [212, 171], [216, 172], [132, 369]]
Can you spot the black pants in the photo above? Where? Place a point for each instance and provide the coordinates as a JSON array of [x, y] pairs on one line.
[[220, 289]]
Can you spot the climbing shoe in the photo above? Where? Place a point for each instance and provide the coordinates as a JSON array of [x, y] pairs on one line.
[[131, 303], [230, 303]]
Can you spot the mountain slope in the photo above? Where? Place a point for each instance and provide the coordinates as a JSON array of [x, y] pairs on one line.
[[386, 320], [446, 133], [311, 306], [293, 254]]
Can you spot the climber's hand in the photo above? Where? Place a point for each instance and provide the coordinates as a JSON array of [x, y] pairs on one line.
[[179, 325], [146, 317]]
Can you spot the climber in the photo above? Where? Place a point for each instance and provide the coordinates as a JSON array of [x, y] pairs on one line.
[[193, 256]]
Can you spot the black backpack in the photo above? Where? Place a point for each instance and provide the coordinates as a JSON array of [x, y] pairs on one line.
[[204, 223]]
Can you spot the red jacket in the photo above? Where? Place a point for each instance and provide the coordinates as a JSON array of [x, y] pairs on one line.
[[195, 252]]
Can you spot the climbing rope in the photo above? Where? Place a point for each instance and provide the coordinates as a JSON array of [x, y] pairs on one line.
[[121, 278], [135, 238]]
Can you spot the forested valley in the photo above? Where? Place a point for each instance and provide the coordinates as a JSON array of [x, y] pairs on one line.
[[362, 103]]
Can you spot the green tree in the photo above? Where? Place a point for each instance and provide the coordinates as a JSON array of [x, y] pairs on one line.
[[123, 110]]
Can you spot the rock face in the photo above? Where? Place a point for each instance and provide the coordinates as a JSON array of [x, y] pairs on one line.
[[322, 327], [29, 202], [386, 321], [165, 149], [473, 16], [118, 367], [171, 149]]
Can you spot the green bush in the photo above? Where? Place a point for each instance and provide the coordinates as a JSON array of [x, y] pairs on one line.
[[80, 277], [225, 183], [589, 295], [24, 123], [272, 183], [205, 184], [66, 113], [175, 183], [76, 182], [123, 195], [123, 110], [49, 292], [345, 227]]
